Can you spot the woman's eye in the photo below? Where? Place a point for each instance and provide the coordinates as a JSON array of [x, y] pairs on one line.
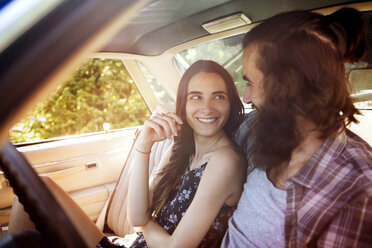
[[219, 97], [194, 97]]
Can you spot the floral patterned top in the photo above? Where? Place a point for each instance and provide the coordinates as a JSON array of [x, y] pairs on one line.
[[173, 211]]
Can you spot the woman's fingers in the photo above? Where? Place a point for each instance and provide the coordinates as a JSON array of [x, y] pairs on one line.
[[169, 122], [177, 122], [159, 133], [157, 128], [174, 122], [175, 118], [165, 125]]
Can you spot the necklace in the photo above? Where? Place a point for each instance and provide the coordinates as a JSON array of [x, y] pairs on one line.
[[211, 148]]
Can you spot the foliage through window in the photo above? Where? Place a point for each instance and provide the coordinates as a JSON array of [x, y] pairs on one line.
[[101, 91], [227, 52]]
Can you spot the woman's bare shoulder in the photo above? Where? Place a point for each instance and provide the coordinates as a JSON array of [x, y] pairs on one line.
[[230, 167], [228, 157], [230, 153]]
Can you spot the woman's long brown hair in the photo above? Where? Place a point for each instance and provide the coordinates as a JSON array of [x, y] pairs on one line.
[[169, 178]]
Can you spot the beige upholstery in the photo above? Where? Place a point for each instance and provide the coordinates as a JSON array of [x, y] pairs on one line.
[[116, 218], [19, 219]]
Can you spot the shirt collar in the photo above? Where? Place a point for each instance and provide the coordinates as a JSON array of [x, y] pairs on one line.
[[319, 161]]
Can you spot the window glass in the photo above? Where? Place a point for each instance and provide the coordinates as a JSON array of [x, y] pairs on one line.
[[159, 91], [227, 52], [19, 15], [100, 93], [360, 76]]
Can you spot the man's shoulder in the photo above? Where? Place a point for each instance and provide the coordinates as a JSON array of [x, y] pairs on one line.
[[357, 155], [244, 128], [344, 161], [358, 150], [355, 139], [247, 122]]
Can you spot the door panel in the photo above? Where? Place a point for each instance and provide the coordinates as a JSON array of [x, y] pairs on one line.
[[86, 166], [93, 200]]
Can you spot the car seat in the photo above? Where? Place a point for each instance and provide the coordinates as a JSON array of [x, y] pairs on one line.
[[113, 217]]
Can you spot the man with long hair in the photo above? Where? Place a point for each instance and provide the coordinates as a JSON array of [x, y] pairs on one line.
[[311, 178]]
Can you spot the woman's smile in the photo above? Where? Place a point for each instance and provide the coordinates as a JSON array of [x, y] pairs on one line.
[[207, 120]]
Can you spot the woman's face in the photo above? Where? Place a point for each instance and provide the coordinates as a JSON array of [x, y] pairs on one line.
[[207, 104]]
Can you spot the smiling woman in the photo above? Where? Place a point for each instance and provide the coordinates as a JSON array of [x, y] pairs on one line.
[[206, 92], [155, 41]]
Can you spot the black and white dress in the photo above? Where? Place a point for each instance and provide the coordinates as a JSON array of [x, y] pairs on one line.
[[173, 211]]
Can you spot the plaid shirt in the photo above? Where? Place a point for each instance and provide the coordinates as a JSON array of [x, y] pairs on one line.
[[329, 201]]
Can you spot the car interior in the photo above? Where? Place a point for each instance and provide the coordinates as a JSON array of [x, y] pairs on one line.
[[154, 42]]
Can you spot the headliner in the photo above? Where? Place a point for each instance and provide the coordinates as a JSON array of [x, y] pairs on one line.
[[163, 24]]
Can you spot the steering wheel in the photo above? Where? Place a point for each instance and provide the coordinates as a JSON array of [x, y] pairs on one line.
[[49, 217]]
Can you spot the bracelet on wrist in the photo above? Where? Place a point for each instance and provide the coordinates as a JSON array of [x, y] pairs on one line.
[[146, 153]]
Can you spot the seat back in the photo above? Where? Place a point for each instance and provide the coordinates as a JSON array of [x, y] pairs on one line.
[[114, 215]]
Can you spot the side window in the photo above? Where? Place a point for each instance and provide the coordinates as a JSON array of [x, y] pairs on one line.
[[361, 80], [227, 52], [158, 89], [100, 93]]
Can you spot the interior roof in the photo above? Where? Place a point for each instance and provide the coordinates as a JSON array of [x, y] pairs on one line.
[[166, 23]]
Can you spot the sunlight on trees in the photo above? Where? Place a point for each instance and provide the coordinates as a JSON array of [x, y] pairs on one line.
[[101, 91]]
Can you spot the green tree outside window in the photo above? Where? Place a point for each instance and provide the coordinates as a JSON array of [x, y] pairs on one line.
[[101, 91]]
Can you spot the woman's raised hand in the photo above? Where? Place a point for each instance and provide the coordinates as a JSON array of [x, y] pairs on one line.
[[159, 127]]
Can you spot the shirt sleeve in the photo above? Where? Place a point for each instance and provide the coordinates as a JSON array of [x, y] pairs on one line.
[[244, 128], [352, 226]]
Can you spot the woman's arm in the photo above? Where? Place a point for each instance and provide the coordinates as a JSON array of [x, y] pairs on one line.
[[158, 128], [222, 182], [138, 190]]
